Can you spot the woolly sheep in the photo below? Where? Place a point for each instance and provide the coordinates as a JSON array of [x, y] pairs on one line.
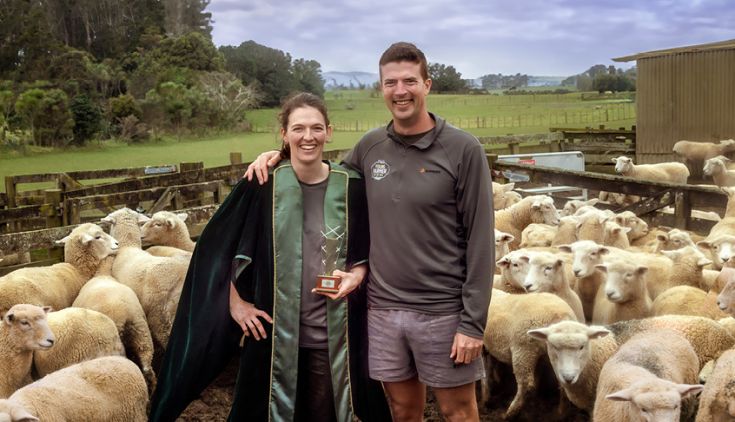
[[701, 151], [571, 206], [501, 246], [674, 239], [106, 295], [14, 258], [717, 401], [546, 273], [81, 334], [638, 227], [59, 284], [717, 167], [721, 248], [624, 295], [531, 209], [157, 281], [566, 233], [537, 235], [23, 329], [503, 195], [687, 300], [726, 298], [506, 338], [661, 172], [585, 256], [648, 377], [109, 389], [513, 272], [615, 235], [169, 233]]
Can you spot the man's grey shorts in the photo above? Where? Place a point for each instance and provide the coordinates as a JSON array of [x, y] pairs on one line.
[[404, 344]]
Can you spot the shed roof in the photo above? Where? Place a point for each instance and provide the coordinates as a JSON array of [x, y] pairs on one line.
[[720, 45]]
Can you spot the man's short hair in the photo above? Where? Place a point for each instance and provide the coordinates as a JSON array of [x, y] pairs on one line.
[[405, 52]]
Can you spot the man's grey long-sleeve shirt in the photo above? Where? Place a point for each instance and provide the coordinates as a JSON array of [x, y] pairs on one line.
[[431, 220]]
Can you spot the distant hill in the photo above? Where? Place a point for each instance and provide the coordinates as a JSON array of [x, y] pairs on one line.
[[334, 80], [545, 80]]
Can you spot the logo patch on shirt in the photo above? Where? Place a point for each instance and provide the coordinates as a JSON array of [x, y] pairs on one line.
[[379, 170]]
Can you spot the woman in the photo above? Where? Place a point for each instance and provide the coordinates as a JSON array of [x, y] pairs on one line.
[[303, 355]]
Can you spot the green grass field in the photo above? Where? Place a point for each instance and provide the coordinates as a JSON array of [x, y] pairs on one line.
[[351, 112]]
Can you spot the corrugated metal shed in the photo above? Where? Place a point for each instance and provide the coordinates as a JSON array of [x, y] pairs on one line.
[[683, 93]]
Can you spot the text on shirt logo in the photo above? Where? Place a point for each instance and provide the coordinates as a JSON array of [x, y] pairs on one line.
[[425, 170], [379, 170]]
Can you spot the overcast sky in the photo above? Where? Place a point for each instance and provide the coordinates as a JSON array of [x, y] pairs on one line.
[[477, 37]]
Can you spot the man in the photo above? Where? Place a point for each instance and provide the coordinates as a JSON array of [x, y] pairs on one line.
[[431, 247]]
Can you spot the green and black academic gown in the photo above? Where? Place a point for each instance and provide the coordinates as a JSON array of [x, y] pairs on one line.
[[255, 239]]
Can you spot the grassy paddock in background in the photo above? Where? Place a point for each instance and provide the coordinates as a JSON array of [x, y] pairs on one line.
[[364, 108]]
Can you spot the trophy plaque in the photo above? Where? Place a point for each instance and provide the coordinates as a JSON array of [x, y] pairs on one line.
[[331, 247]]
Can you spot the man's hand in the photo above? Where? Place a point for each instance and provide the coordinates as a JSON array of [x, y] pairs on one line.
[[350, 281], [260, 166], [465, 348], [246, 315]]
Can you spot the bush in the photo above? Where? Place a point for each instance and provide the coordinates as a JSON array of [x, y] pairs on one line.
[[46, 113], [87, 119]]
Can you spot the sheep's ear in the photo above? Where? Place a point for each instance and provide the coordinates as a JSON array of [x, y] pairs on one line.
[[507, 237], [107, 219], [47, 309], [703, 261], [641, 270], [596, 331], [63, 241], [524, 258], [620, 219], [86, 238], [670, 254], [182, 216], [18, 414], [536, 205], [9, 318], [689, 389], [503, 262], [593, 201], [171, 223], [622, 395], [603, 251], [602, 268], [565, 248], [539, 333], [614, 160], [558, 263], [143, 218], [662, 237], [703, 244]]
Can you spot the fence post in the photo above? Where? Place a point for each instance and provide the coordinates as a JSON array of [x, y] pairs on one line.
[[682, 211], [514, 148], [235, 158], [52, 197], [10, 190]]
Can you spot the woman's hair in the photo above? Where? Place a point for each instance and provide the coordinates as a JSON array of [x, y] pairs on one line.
[[302, 99]]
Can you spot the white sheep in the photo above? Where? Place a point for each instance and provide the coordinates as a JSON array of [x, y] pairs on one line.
[[14, 258], [673, 239], [168, 232], [585, 256], [513, 272], [638, 227], [662, 172], [615, 235], [157, 281], [721, 248], [81, 334], [106, 295], [59, 284], [531, 209], [726, 297], [717, 401], [503, 195], [109, 389], [506, 338], [701, 151], [538, 235], [23, 329], [624, 295], [501, 246], [648, 377], [566, 233], [546, 273], [572, 205], [687, 300], [717, 168]]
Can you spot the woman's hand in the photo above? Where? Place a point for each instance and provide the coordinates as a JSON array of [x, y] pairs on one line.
[[247, 315], [260, 166], [350, 281]]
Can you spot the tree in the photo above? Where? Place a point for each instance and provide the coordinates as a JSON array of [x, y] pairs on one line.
[[87, 119], [446, 78], [192, 51], [309, 74], [229, 97], [185, 16], [46, 112]]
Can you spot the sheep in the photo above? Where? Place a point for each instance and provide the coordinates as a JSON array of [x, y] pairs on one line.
[[170, 232], [701, 151], [618, 199], [615, 235], [726, 298], [721, 248], [105, 389], [687, 270], [648, 377], [566, 233], [687, 300], [14, 259], [537, 235], [661, 172], [503, 195], [624, 295], [23, 329], [638, 227], [81, 334], [106, 295], [674, 239], [590, 226], [571, 207], [510, 317], [157, 281], [717, 168], [546, 273], [717, 401], [513, 272], [59, 284], [585, 255], [501, 246], [531, 209]]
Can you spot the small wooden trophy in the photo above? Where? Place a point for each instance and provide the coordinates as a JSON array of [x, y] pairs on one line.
[[328, 283]]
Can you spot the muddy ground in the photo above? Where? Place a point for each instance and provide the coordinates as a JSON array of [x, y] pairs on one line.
[[214, 405]]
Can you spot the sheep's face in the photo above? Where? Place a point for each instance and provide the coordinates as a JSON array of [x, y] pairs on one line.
[[623, 164], [501, 197], [614, 234], [568, 346], [713, 166], [571, 207], [13, 412], [638, 227], [156, 230], [514, 269], [543, 272], [29, 325], [89, 239], [501, 242], [624, 280], [726, 298], [586, 254], [675, 239], [544, 211], [656, 400], [722, 248]]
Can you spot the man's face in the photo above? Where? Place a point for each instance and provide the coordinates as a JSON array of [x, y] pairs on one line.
[[404, 91]]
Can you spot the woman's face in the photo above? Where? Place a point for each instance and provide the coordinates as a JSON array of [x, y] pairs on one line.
[[306, 134]]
